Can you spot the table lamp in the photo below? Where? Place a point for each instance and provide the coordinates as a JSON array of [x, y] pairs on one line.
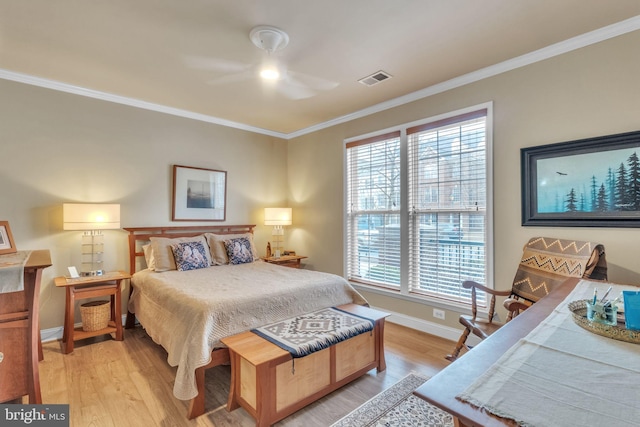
[[92, 219], [277, 217]]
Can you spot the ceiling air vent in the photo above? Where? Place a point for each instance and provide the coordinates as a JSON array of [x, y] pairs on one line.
[[375, 78]]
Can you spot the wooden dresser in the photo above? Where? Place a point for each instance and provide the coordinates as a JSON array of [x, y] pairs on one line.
[[20, 348]]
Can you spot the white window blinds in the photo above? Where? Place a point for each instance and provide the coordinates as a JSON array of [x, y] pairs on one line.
[[373, 216], [417, 207], [447, 199]]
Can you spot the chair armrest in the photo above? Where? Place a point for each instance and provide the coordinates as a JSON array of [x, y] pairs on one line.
[[515, 306], [471, 284]]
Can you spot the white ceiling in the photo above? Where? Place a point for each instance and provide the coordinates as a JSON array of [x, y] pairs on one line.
[[169, 55]]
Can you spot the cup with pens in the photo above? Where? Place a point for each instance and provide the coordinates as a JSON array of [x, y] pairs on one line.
[[603, 310]]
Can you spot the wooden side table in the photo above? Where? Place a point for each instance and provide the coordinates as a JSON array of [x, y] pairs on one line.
[[20, 347], [90, 287], [292, 261]]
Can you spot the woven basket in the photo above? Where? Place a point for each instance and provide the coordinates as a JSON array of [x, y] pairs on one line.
[[95, 315]]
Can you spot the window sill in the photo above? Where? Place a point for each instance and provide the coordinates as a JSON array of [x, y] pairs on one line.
[[425, 300]]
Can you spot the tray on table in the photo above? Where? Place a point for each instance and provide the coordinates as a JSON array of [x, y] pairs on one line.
[[617, 332]]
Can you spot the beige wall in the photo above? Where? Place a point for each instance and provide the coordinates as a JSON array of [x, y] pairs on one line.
[[57, 147], [589, 92]]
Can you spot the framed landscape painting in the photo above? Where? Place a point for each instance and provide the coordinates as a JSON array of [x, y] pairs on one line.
[[592, 182], [199, 194]]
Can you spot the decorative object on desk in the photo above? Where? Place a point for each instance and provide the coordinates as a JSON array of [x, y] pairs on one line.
[[268, 249], [95, 315], [581, 183], [73, 272], [545, 264], [632, 309], [290, 253], [615, 331], [92, 219], [397, 406], [278, 217], [7, 246], [602, 313], [199, 194]]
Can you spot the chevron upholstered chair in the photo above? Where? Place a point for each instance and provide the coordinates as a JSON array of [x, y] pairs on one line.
[[546, 263]]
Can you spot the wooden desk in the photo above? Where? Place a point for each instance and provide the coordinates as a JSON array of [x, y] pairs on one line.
[[89, 287], [442, 389], [20, 334]]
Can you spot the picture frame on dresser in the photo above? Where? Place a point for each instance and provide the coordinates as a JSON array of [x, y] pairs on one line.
[[199, 194], [592, 182], [7, 245]]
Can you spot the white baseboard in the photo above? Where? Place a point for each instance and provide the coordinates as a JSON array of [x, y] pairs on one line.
[[447, 332], [432, 328], [53, 334]]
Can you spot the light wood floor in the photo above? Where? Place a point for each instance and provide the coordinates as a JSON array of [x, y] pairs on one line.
[[129, 383]]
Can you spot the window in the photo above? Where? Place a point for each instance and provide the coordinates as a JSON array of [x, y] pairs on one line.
[[374, 221], [417, 207]]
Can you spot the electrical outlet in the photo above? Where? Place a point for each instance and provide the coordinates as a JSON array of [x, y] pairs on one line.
[[438, 314]]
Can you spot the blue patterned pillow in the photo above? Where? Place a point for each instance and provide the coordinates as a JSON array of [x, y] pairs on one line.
[[189, 256], [239, 250]]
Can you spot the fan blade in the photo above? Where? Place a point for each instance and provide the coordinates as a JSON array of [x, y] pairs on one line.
[[232, 78], [294, 91], [312, 82], [217, 64]]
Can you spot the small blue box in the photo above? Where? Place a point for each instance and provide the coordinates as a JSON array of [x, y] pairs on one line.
[[632, 309]]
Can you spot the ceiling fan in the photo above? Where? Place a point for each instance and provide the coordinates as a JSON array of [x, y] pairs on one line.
[[290, 84]]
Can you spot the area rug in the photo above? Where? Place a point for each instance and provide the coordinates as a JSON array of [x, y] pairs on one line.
[[397, 406]]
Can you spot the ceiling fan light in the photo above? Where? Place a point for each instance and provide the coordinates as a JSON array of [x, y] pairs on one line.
[[270, 74]]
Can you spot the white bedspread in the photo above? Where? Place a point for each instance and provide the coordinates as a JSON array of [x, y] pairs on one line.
[[188, 312]]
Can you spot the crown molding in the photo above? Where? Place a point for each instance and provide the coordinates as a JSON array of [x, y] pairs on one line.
[[132, 102], [583, 40]]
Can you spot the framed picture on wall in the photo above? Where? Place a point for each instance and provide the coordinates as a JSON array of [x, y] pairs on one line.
[[7, 245], [592, 182], [199, 194]]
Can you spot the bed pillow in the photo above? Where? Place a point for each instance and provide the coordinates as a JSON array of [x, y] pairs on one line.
[[149, 258], [190, 256], [239, 250], [161, 247], [219, 251]]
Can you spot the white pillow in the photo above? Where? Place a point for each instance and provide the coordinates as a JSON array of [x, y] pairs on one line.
[[161, 247], [149, 257], [219, 251]]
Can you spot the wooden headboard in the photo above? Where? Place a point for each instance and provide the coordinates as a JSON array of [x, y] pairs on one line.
[[141, 235]]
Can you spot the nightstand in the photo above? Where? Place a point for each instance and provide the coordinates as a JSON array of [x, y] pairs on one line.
[[90, 287], [292, 261]]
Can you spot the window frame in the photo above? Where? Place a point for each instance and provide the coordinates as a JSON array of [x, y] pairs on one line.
[[404, 290]]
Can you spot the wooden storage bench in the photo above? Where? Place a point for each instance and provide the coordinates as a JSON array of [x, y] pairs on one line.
[[264, 383]]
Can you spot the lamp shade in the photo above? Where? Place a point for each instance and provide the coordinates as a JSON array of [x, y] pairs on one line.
[[277, 216], [90, 216]]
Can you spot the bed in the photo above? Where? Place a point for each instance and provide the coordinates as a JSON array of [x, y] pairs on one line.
[[188, 312]]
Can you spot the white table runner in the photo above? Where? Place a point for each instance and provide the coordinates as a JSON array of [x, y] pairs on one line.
[[563, 375], [12, 271]]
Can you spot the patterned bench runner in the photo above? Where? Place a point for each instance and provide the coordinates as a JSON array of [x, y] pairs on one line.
[[308, 333]]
